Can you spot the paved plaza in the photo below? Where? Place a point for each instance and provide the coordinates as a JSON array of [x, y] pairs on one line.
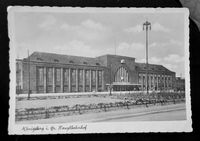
[[63, 102]]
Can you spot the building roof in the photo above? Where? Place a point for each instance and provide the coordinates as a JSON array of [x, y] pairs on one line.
[[152, 67], [64, 59], [88, 61], [118, 56]]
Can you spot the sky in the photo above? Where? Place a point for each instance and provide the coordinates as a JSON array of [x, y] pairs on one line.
[[92, 34]]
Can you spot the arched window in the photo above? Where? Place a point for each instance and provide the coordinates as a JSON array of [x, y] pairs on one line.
[[121, 75]]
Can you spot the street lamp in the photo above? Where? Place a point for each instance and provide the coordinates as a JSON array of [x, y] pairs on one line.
[[147, 26], [28, 76], [110, 88]]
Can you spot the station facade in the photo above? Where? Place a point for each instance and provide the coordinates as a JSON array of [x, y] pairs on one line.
[[179, 84], [54, 73]]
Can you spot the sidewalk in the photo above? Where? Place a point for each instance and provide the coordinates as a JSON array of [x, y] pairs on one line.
[[103, 116]]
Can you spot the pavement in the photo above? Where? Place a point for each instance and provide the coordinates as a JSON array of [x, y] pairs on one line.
[[165, 115], [66, 101], [170, 112]]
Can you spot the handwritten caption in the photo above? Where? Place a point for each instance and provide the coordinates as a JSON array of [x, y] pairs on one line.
[[59, 128]]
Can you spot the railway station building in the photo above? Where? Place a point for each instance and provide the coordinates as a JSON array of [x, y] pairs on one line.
[[55, 73]]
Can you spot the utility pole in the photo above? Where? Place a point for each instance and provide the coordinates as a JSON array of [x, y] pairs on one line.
[[28, 76], [147, 26]]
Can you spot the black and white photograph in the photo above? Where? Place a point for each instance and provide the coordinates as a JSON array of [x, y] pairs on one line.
[[99, 70]]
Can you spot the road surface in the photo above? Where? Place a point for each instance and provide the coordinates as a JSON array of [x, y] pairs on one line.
[[170, 112], [178, 114]]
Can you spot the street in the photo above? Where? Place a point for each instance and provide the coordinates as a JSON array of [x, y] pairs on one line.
[[178, 114], [170, 112]]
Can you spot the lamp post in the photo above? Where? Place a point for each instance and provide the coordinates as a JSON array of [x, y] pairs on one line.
[[110, 88], [28, 76], [147, 26]]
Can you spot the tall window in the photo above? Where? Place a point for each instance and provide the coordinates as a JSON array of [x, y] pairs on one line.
[[158, 78], [49, 76], [80, 82], [152, 82], [87, 77], [121, 75], [58, 75], [155, 79], [40, 74], [87, 80], [80, 76], [66, 76], [162, 80], [144, 80], [18, 77], [170, 82], [100, 78], [140, 79], [149, 79], [65, 80], [93, 78], [73, 80]]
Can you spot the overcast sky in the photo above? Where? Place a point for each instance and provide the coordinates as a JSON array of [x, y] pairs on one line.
[[95, 34]]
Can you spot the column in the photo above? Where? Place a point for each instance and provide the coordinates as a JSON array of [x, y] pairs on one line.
[[167, 82], [96, 80], [164, 81], [161, 82], [76, 80], [142, 80], [170, 82], [83, 80], [69, 80], [153, 81], [90, 80], [146, 80], [157, 82], [45, 80], [118, 76], [53, 80], [22, 77], [102, 80], [61, 80]]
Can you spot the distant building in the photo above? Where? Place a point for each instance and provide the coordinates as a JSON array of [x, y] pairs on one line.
[[54, 73], [179, 84]]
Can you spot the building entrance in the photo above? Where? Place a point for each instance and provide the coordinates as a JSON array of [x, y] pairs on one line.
[[126, 87], [122, 81]]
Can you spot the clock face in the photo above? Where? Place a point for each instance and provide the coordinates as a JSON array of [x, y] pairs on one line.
[[122, 61]]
